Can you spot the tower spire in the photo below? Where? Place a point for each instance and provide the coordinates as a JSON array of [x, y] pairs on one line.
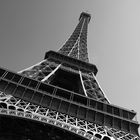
[[60, 98], [76, 45], [72, 56]]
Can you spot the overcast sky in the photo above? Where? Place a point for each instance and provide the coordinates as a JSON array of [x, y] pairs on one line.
[[29, 28]]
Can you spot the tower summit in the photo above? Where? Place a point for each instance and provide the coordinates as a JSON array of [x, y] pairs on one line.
[[76, 46], [85, 15], [60, 98]]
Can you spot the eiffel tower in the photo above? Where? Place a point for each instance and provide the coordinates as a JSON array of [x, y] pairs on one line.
[[60, 98]]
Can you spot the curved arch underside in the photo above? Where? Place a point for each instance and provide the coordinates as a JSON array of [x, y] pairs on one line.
[[14, 128], [46, 122]]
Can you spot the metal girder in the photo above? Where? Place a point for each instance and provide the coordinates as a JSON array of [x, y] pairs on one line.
[[49, 95], [76, 45], [12, 106]]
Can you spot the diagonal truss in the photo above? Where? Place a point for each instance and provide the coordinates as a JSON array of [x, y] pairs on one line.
[[46, 69], [75, 47], [12, 106]]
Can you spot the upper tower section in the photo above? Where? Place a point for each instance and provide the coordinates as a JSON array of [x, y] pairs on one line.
[[76, 45], [85, 15]]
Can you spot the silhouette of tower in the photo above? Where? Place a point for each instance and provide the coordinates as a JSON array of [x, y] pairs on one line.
[[60, 98]]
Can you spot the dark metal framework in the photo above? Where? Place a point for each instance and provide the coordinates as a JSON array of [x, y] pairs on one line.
[[60, 98]]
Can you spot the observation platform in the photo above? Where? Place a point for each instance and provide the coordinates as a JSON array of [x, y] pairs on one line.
[[67, 102]]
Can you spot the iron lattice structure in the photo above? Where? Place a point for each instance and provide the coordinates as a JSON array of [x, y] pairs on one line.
[[60, 98]]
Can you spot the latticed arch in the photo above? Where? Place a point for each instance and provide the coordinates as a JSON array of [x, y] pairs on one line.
[[60, 98]]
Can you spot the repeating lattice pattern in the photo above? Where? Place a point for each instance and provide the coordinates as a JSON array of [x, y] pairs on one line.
[[67, 47], [74, 52], [83, 55], [92, 88], [12, 106], [76, 46], [122, 135], [45, 71], [40, 70]]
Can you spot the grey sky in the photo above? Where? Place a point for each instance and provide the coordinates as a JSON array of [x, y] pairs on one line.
[[29, 28]]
